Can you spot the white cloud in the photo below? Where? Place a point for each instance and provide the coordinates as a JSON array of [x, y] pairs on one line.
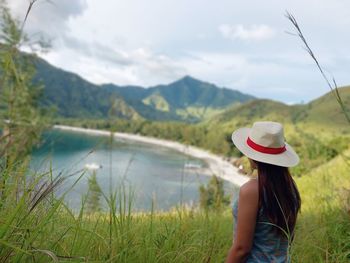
[[48, 17], [254, 32], [104, 64], [264, 77]]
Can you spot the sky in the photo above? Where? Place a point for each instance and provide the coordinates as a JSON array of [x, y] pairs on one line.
[[241, 45]]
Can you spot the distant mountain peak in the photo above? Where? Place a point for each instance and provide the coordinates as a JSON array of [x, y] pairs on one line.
[[187, 79]]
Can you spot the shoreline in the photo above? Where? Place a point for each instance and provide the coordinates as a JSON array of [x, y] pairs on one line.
[[216, 164]]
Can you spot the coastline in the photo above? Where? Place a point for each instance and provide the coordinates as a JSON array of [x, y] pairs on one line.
[[216, 164]]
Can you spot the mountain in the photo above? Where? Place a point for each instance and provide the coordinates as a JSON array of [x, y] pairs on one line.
[[189, 91], [187, 99], [74, 97]]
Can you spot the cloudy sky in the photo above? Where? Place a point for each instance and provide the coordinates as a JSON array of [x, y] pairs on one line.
[[241, 45]]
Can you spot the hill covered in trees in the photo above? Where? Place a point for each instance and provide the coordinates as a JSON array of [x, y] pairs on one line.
[[187, 99]]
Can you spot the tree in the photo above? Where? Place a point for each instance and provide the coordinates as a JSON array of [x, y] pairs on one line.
[[213, 196], [21, 119], [94, 194]]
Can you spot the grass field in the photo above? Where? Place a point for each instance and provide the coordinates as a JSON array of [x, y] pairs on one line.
[[39, 228], [323, 229]]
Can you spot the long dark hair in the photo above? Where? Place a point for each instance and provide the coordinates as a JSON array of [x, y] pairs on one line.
[[278, 196]]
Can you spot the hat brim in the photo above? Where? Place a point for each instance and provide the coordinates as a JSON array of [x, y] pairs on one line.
[[289, 158]]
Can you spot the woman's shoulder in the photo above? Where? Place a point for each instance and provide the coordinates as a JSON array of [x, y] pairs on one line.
[[251, 185], [250, 189]]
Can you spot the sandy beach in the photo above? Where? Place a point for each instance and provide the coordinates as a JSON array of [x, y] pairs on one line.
[[216, 164]]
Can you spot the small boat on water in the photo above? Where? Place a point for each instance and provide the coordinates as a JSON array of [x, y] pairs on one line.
[[192, 166], [93, 166]]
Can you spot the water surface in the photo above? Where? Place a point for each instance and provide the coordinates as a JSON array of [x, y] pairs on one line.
[[152, 172]]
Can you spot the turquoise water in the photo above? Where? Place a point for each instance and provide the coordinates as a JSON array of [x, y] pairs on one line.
[[152, 172]]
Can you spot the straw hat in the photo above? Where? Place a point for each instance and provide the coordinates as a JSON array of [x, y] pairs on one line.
[[264, 142]]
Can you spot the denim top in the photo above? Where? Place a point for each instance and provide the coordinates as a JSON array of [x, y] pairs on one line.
[[268, 245]]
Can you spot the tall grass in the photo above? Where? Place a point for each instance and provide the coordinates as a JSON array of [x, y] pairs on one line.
[[27, 209], [325, 221], [49, 230], [332, 84], [323, 229], [39, 228]]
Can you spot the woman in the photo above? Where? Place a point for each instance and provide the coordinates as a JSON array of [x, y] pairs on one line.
[[266, 210]]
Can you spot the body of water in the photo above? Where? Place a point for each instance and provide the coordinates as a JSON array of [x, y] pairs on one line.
[[152, 172]]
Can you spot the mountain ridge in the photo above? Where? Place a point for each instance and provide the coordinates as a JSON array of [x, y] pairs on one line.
[[182, 100]]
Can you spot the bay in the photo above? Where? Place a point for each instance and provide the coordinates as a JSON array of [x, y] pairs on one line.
[[148, 172]]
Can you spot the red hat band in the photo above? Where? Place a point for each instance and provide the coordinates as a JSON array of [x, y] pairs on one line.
[[263, 149]]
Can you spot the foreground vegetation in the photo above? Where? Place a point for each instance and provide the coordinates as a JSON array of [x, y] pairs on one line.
[[323, 228], [39, 228]]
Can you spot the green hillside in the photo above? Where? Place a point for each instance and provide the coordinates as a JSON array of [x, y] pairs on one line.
[[254, 110], [157, 102], [73, 97], [120, 109], [325, 110], [200, 113], [317, 114]]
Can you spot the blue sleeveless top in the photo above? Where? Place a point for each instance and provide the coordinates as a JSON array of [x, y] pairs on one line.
[[268, 246]]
